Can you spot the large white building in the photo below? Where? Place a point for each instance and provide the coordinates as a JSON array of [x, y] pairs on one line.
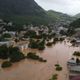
[[74, 69]]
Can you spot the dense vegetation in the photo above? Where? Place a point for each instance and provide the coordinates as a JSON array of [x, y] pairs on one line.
[[35, 57], [49, 43], [71, 31], [22, 12], [40, 45], [76, 53], [11, 53], [28, 12], [15, 54], [6, 35], [75, 24], [58, 67], [6, 64], [57, 16], [30, 34], [19, 7]]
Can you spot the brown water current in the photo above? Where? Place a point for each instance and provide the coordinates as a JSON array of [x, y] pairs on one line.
[[34, 70]]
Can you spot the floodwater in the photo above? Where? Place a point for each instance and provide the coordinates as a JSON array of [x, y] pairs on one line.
[[34, 70]]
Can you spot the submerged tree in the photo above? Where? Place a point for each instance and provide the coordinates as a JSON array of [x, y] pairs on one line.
[[4, 52], [54, 77], [40, 45], [76, 53], [11, 53]]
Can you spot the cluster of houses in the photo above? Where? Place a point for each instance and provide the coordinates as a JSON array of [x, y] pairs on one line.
[[73, 67], [3, 31]]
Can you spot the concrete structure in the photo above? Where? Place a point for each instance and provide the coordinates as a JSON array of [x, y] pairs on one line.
[[74, 69]]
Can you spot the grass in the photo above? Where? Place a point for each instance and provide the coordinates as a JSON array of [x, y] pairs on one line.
[[21, 20]]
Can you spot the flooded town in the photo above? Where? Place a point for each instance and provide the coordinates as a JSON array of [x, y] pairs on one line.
[[39, 40], [47, 53]]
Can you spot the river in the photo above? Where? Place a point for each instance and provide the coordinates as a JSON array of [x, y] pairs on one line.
[[34, 70]]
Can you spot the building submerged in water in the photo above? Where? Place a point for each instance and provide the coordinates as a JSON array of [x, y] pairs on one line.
[[74, 69]]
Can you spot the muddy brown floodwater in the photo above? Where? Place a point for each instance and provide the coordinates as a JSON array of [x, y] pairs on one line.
[[34, 70]]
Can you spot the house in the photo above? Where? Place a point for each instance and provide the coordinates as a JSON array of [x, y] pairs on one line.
[[12, 33], [8, 43], [74, 68], [10, 24]]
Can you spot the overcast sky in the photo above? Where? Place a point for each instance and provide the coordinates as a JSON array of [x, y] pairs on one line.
[[71, 7]]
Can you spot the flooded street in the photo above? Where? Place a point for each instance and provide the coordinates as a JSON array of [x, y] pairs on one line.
[[34, 70]]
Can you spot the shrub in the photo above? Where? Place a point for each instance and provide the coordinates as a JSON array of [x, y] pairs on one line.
[[56, 39], [37, 45], [15, 55], [54, 77], [6, 35], [6, 64], [33, 44], [3, 52], [35, 57], [49, 44], [73, 41], [32, 56], [58, 67], [41, 47], [76, 53], [30, 34], [61, 39]]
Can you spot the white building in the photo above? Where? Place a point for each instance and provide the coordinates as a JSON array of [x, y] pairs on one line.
[[74, 69]]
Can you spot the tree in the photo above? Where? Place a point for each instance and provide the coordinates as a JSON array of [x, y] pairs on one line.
[[6, 64], [62, 32], [6, 35], [30, 34], [15, 55], [4, 52], [76, 53], [11, 53], [70, 31]]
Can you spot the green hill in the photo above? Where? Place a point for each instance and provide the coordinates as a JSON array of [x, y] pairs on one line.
[[28, 12], [75, 24], [58, 16], [77, 15], [22, 11]]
